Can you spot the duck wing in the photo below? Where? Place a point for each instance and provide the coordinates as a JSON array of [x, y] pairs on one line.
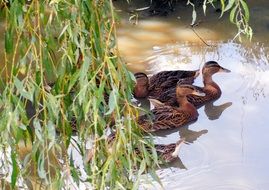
[[168, 97], [170, 78], [199, 101], [164, 117], [167, 90]]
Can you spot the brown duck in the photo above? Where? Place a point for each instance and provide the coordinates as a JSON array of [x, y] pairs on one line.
[[166, 117], [161, 82], [169, 152], [211, 89], [166, 152]]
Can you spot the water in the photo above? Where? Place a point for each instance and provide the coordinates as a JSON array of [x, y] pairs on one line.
[[227, 148]]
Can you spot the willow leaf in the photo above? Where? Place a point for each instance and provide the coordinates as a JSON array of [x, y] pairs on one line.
[[232, 15], [15, 170], [229, 5], [246, 10]]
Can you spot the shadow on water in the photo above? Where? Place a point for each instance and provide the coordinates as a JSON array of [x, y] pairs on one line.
[[184, 132]]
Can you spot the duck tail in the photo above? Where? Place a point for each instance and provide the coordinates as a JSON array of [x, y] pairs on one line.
[[156, 103], [197, 73], [178, 146]]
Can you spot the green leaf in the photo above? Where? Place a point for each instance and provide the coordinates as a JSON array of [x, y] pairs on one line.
[[140, 172], [245, 7], [132, 76], [63, 30], [38, 130], [53, 104], [51, 133], [229, 5], [38, 77], [112, 101], [15, 170], [23, 127], [156, 177], [9, 41], [73, 80], [74, 172], [232, 14], [83, 79], [120, 186], [22, 91], [41, 166], [222, 7], [49, 68]]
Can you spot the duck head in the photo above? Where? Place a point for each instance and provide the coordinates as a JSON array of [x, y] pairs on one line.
[[212, 67], [209, 69], [182, 90], [141, 86]]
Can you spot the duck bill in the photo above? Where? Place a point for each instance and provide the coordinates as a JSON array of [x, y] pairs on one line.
[[198, 93], [224, 70]]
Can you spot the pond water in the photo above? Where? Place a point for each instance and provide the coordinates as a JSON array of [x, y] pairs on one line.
[[227, 148]]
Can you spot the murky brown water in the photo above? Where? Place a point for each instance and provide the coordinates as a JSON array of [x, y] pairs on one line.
[[228, 146]]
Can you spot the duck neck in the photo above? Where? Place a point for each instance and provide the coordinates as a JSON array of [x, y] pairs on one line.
[[141, 91], [209, 84], [207, 79], [186, 105]]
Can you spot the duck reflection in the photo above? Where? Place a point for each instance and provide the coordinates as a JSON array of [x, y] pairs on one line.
[[191, 136], [177, 163], [214, 112], [184, 132]]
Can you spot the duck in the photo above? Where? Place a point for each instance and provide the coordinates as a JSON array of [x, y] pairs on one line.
[[166, 152], [211, 89], [169, 152], [161, 82], [168, 117]]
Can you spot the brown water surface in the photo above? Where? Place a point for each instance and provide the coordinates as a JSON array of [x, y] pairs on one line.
[[227, 148]]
